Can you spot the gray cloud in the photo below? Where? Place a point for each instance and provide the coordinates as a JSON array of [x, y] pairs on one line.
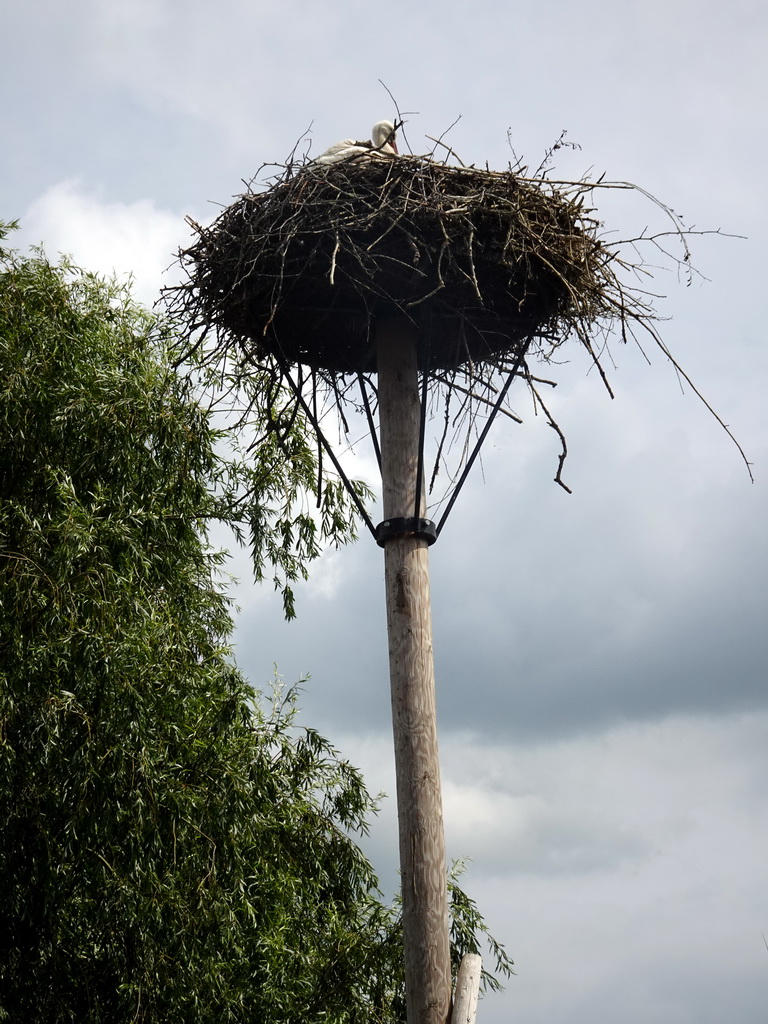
[[600, 657]]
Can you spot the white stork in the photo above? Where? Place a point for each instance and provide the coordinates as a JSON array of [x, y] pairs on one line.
[[382, 143]]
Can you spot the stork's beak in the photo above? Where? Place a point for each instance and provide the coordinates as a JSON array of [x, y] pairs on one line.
[[392, 143]]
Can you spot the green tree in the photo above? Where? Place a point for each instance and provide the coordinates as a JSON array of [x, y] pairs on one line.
[[172, 849]]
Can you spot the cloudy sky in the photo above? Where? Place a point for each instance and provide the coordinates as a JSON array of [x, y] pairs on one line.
[[600, 657]]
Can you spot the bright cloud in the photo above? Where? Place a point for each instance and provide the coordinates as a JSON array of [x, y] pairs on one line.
[[135, 239]]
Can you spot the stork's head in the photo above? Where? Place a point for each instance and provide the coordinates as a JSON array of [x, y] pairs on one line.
[[383, 136]]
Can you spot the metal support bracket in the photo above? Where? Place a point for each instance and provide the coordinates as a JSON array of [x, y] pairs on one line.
[[425, 529]]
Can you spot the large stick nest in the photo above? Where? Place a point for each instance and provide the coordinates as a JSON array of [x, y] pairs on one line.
[[482, 261], [492, 267]]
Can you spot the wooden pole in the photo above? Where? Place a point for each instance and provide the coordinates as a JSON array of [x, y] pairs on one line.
[[412, 677], [467, 990]]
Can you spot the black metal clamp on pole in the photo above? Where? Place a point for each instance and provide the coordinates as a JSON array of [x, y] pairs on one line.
[[402, 526]]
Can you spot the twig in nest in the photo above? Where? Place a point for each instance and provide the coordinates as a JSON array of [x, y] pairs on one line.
[[452, 152]]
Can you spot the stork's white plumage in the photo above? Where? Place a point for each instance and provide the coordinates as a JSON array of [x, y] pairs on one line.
[[382, 144], [383, 138]]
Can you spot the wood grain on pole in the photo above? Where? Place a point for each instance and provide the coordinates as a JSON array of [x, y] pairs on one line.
[[409, 625], [467, 990]]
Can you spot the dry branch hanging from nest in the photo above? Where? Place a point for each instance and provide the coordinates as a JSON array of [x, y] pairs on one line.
[[492, 267]]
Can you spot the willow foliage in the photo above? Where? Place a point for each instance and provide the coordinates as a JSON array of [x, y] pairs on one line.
[[172, 851]]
